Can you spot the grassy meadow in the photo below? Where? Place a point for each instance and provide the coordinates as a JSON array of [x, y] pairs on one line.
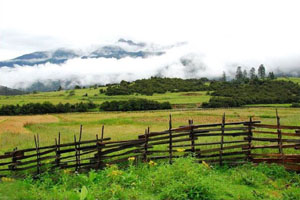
[[179, 99], [183, 180], [18, 131]]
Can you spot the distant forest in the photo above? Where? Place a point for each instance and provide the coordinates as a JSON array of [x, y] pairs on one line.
[[156, 85]]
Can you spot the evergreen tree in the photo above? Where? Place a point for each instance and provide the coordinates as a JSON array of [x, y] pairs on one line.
[[271, 76], [245, 74], [239, 74], [252, 73], [262, 72], [224, 77]]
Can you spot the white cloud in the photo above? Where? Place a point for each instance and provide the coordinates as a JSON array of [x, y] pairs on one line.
[[249, 32]]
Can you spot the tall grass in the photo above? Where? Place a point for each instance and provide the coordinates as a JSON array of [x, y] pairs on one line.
[[185, 179]]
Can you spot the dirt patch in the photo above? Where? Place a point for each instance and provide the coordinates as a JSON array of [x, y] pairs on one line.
[[192, 94], [15, 124]]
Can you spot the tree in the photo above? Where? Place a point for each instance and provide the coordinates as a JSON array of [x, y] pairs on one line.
[[239, 74], [59, 88], [262, 72], [252, 73], [271, 76], [245, 74], [224, 77], [77, 87]]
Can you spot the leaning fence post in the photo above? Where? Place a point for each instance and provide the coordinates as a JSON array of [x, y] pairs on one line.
[[279, 133], [192, 137], [146, 144], [250, 135], [37, 144], [170, 140], [76, 153], [222, 139], [57, 150], [14, 160], [78, 146], [99, 149]]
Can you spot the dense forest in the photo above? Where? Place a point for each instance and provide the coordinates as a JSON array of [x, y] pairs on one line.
[[156, 85]]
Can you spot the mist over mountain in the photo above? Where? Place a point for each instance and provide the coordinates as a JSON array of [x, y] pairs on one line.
[[123, 48], [127, 60]]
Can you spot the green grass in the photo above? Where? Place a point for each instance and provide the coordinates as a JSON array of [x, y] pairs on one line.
[[293, 79], [18, 131], [192, 98], [185, 179]]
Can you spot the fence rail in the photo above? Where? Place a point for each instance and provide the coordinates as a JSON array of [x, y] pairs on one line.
[[221, 143]]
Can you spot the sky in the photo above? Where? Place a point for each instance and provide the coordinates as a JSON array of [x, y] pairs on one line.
[[223, 33]]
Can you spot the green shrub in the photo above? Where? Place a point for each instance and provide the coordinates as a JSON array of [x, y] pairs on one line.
[[134, 104]]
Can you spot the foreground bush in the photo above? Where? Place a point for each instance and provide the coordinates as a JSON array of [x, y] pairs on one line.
[[185, 179], [134, 104], [44, 108]]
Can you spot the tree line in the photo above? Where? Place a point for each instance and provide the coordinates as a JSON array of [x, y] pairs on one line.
[[156, 85], [234, 94], [134, 105], [44, 108]]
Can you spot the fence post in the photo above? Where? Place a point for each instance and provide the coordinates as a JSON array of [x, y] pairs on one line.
[[37, 146], [222, 139], [250, 139], [57, 150], [146, 145], [279, 133], [76, 153], [14, 159], [192, 137], [99, 149], [78, 146], [170, 140]]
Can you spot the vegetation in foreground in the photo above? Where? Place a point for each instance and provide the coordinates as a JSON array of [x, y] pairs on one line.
[[185, 179]]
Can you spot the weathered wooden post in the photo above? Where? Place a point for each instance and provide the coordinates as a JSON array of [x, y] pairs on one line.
[[57, 150], [222, 139], [37, 146], [78, 146], [98, 152], [250, 135], [192, 137], [146, 145], [279, 133], [170, 140], [76, 153]]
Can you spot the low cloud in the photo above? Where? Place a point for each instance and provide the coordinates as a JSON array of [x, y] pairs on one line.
[[181, 61]]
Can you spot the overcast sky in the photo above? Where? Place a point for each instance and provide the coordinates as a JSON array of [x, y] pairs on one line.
[[253, 28], [224, 32]]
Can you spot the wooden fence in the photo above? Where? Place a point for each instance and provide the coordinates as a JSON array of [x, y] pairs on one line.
[[222, 143]]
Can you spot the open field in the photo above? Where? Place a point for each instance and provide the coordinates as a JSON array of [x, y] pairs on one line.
[[19, 130]]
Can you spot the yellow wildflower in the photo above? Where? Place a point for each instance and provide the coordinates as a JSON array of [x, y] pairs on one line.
[[67, 171], [115, 173], [152, 163], [6, 179], [180, 150], [131, 158], [206, 165]]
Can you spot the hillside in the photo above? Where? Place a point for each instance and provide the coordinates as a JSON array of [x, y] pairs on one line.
[[8, 91]]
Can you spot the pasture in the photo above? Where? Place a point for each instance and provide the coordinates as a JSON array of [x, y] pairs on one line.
[[18, 131]]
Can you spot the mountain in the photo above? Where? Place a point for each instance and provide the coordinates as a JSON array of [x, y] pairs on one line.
[[8, 91], [123, 48]]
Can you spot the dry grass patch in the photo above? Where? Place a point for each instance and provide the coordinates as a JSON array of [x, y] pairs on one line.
[[16, 124]]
